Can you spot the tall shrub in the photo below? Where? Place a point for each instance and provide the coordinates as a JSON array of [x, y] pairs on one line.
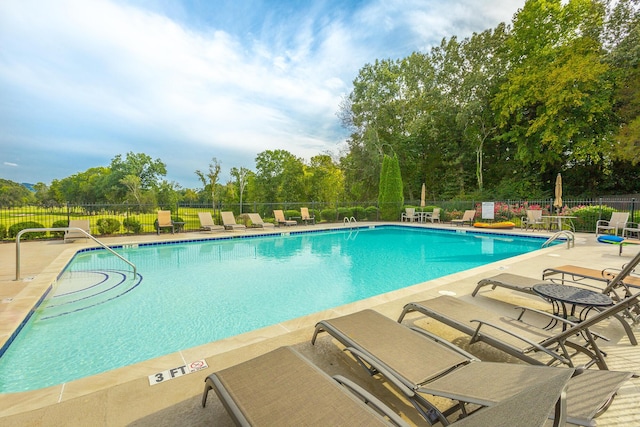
[[390, 196]]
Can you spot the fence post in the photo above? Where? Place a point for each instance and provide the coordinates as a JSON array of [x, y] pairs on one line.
[[633, 208]]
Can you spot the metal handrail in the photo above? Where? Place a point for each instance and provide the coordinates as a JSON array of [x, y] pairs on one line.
[[28, 230], [571, 239]]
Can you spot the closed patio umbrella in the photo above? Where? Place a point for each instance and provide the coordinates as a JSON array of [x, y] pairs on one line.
[[557, 203], [423, 195]]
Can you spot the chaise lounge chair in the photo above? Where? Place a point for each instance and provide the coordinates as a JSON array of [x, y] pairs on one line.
[[468, 216], [164, 221], [279, 216], [229, 221], [550, 343], [257, 222], [418, 364], [617, 222], [282, 388], [72, 235], [306, 217], [206, 222]]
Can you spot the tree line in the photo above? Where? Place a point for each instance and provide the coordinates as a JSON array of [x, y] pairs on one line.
[[493, 116]]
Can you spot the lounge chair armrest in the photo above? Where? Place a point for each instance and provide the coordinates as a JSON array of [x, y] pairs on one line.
[[369, 398], [523, 339], [404, 388], [444, 342], [544, 313]]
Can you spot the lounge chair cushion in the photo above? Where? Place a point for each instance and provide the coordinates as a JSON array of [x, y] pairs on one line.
[[606, 238]]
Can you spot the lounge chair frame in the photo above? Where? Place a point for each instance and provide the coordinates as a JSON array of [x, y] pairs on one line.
[[278, 214], [257, 222], [71, 235], [237, 400], [229, 221], [468, 216], [306, 216], [440, 362], [207, 223], [165, 221]]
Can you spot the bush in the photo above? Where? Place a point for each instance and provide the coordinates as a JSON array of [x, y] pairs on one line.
[[290, 213], [16, 228], [3, 231], [328, 215], [372, 213], [359, 213], [132, 225], [588, 216], [344, 213], [108, 225], [58, 224]]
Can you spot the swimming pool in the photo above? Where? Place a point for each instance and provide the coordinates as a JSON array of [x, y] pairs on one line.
[[191, 293]]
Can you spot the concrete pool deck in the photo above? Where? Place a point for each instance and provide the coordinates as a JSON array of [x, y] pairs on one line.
[[125, 397]]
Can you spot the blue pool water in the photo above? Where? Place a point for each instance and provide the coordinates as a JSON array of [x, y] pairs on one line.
[[192, 293]]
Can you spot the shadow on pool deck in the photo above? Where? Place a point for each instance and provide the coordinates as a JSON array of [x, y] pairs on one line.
[[124, 396]]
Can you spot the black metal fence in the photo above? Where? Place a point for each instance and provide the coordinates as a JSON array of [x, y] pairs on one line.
[[120, 219]]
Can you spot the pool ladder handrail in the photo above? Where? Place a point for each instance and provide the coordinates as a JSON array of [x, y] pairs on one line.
[[27, 230], [571, 238], [346, 220]]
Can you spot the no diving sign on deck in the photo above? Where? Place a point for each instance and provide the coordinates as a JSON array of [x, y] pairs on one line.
[[172, 373]]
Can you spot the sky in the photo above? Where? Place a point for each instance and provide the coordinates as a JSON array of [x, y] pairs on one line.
[[184, 81]]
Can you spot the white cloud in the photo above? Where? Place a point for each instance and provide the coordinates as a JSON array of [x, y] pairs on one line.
[[96, 75], [13, 165]]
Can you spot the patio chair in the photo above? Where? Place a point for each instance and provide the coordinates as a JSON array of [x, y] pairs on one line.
[[617, 222], [631, 230], [306, 217], [468, 216], [435, 215], [417, 364], [257, 222], [533, 220], [409, 214], [550, 344], [72, 235], [282, 388], [206, 222], [229, 222], [164, 221], [279, 216]]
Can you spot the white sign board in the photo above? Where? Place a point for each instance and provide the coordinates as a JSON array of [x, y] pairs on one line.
[[487, 210]]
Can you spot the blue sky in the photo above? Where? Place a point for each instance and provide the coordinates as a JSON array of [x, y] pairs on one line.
[[184, 81]]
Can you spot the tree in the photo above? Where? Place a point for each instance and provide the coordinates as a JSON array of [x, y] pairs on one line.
[[210, 179], [149, 172], [326, 181], [14, 194], [390, 198], [241, 176], [555, 106], [279, 176]]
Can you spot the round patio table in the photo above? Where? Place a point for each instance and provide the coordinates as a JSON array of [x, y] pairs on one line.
[[562, 295]]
